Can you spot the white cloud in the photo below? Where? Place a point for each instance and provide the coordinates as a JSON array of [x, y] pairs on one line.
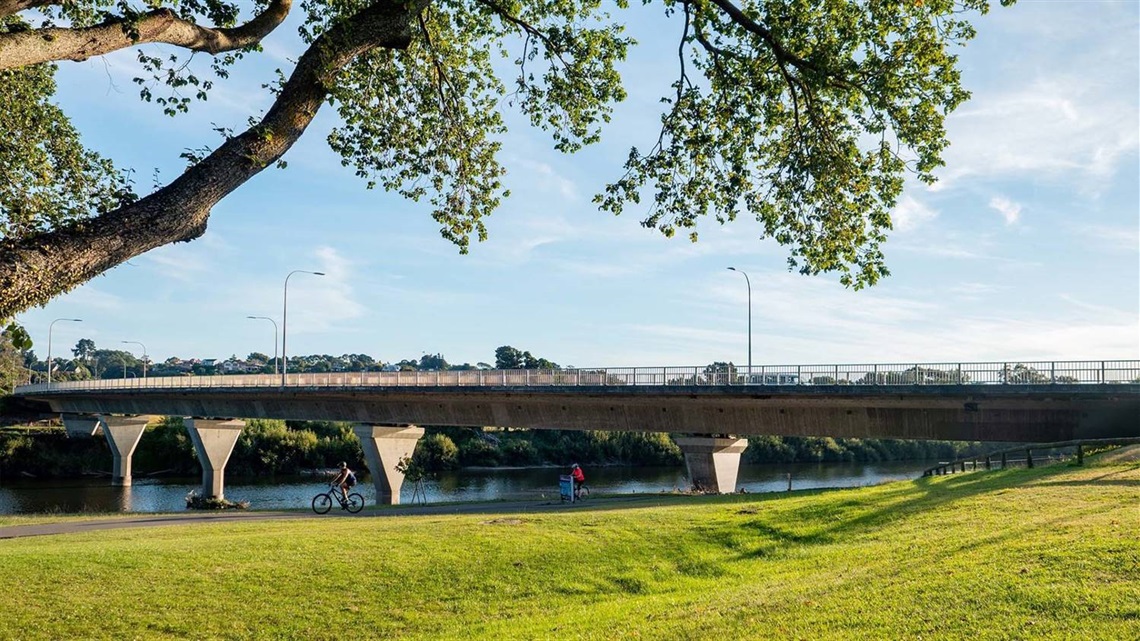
[[975, 290], [1061, 126], [180, 262], [323, 303], [1110, 237], [547, 179], [88, 296], [800, 321], [909, 213], [1008, 209]]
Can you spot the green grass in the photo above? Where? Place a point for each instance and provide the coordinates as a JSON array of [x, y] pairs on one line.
[[7, 520], [1050, 553]]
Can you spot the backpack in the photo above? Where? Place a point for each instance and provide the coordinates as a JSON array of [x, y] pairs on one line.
[[350, 481]]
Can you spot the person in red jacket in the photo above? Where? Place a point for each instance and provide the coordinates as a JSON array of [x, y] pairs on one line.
[[579, 477]]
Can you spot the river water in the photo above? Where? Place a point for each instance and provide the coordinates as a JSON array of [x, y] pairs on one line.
[[26, 496]]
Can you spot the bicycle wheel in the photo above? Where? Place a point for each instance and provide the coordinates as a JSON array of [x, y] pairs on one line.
[[322, 503], [583, 493], [355, 503]]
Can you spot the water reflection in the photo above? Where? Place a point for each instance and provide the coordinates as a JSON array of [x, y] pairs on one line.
[[164, 495]]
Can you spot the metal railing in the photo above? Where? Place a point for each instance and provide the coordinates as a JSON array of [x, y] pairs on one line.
[[893, 374], [950, 467]]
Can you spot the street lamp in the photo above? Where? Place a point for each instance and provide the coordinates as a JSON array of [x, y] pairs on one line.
[[274, 338], [70, 320], [749, 283], [284, 317], [144, 356]]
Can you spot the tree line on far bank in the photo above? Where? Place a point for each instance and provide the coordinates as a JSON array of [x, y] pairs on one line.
[[273, 447], [20, 364]]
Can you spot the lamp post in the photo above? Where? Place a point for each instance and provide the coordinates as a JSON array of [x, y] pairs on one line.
[[284, 321], [749, 283], [274, 338], [144, 356], [71, 320]]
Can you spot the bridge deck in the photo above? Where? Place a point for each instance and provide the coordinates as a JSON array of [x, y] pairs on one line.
[[986, 412]]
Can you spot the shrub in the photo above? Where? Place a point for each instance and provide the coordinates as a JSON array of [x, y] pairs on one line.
[[479, 452], [520, 452], [437, 452]]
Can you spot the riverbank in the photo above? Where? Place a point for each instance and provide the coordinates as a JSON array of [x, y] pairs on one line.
[[1048, 553], [152, 495]]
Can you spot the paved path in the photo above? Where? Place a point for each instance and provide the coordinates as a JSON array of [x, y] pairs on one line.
[[239, 516]]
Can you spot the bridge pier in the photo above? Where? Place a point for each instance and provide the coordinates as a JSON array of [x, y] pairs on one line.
[[384, 446], [123, 434], [213, 442], [81, 425], [713, 462]]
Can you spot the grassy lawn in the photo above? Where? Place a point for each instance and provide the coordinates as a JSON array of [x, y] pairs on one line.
[[1050, 553]]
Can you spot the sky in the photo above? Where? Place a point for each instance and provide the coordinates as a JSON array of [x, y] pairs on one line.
[[1027, 249]]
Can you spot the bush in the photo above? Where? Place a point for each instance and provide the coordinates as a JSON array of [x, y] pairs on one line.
[[437, 452], [166, 447], [520, 452]]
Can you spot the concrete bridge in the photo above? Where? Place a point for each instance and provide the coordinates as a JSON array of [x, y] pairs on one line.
[[1004, 402]]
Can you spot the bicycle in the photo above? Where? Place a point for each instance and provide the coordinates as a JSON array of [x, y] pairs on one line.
[[582, 493], [323, 502], [568, 492]]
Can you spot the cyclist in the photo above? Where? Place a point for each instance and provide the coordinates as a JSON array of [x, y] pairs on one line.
[[344, 480], [579, 477]]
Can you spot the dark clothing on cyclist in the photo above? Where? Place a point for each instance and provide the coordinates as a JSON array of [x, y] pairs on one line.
[[341, 480]]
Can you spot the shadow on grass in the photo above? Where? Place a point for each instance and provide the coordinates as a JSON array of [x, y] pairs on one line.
[[810, 524]]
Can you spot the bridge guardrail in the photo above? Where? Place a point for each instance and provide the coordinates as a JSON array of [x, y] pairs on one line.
[[898, 374]]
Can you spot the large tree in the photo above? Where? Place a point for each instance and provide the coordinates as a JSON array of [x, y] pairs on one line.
[[807, 114]]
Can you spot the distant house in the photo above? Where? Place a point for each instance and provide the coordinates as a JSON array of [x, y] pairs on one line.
[[237, 366]]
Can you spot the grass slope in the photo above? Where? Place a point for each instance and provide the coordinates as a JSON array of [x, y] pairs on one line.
[[1050, 553]]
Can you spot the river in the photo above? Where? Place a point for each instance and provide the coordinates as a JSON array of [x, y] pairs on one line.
[[28, 496]]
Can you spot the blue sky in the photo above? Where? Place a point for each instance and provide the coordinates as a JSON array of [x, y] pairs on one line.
[[1027, 249]]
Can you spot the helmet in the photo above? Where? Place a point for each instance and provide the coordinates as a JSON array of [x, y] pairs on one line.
[[574, 466], [343, 465]]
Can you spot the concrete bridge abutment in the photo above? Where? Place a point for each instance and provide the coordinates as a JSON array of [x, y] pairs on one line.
[[713, 462], [80, 425], [122, 434], [383, 448], [213, 442]]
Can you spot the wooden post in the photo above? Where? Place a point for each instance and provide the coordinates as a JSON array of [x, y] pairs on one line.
[[1003, 460], [1080, 454], [789, 481], [963, 466], [987, 462], [1029, 458]]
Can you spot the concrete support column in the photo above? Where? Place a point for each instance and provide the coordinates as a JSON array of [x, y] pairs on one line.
[[713, 462], [383, 449], [123, 434], [214, 442], [80, 425]]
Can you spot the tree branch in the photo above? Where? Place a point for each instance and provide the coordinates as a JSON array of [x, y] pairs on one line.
[[161, 25], [748, 24], [527, 28], [10, 7], [785, 57], [35, 268]]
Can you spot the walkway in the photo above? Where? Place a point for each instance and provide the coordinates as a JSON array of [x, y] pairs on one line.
[[231, 516]]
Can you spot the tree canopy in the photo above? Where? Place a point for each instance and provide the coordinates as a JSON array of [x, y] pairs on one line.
[[807, 114]]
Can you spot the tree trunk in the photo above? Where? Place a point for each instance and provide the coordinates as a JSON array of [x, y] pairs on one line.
[[36, 268]]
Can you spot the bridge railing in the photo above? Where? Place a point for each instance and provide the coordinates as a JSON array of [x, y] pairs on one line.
[[1005, 373]]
